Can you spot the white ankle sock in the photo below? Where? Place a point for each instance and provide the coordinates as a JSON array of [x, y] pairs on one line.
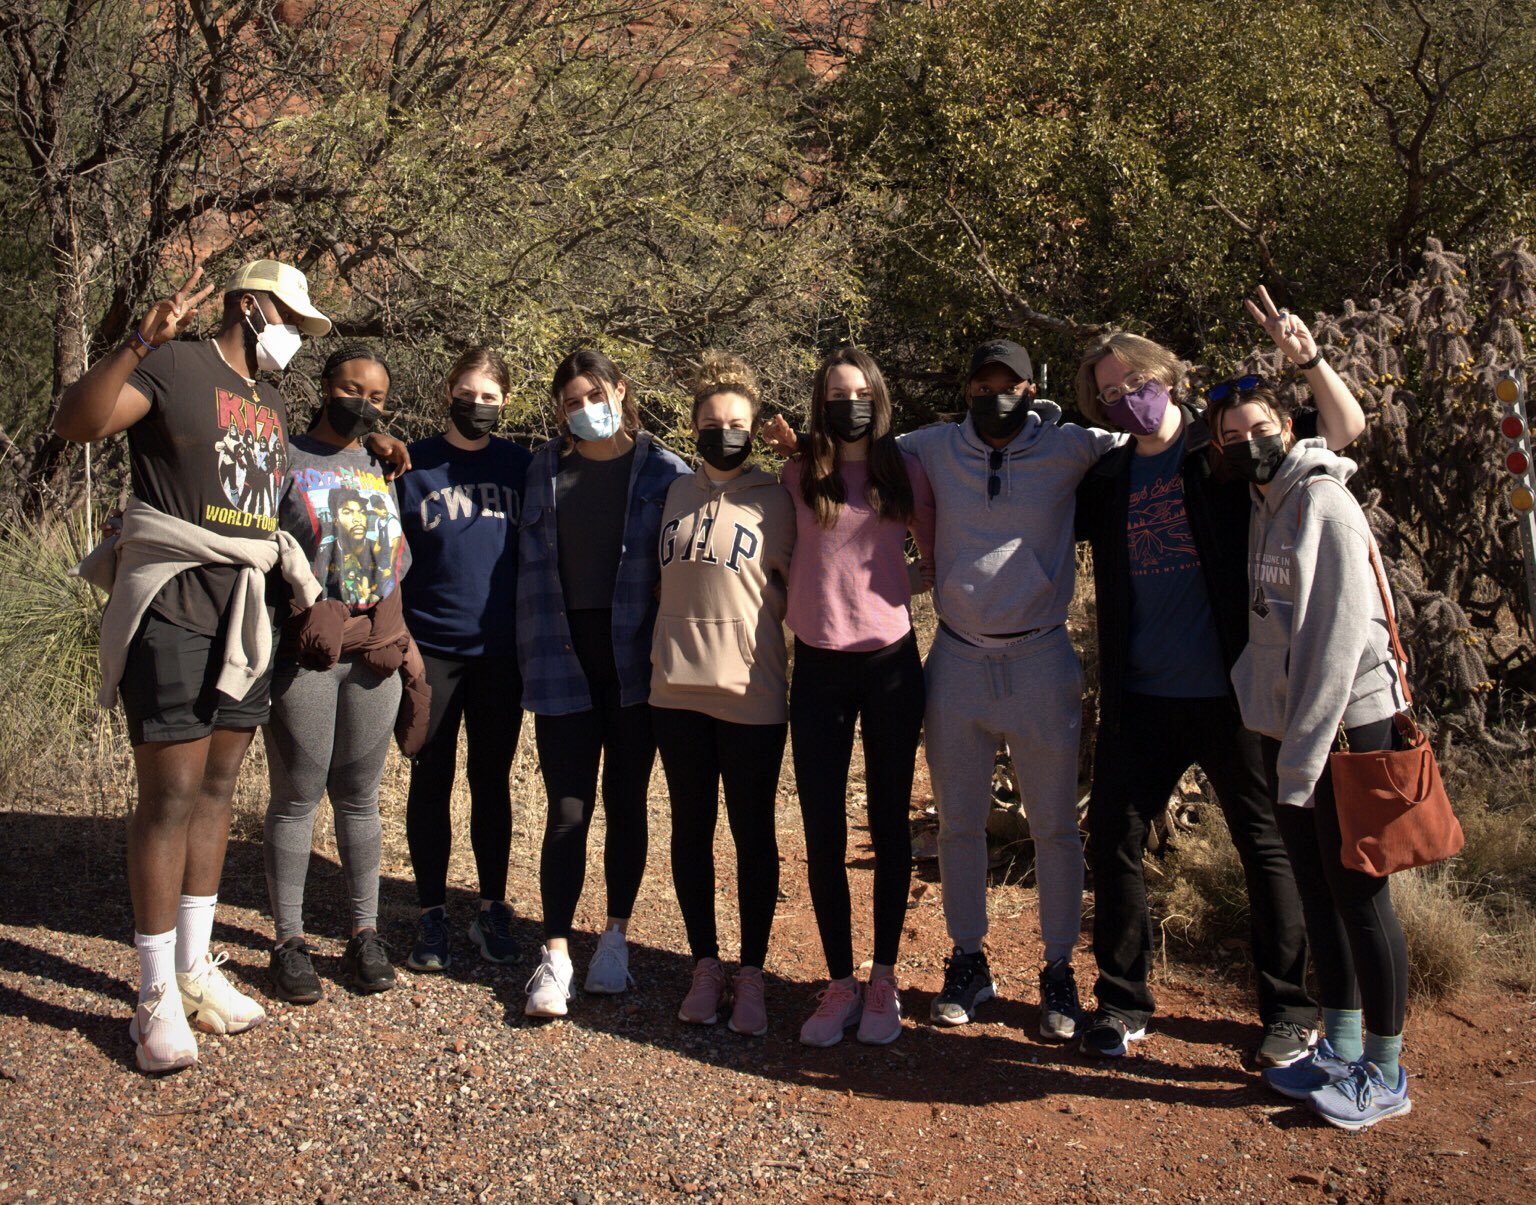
[[157, 960], [194, 930]]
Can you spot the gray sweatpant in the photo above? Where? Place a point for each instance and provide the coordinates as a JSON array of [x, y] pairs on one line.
[[329, 732], [1029, 694]]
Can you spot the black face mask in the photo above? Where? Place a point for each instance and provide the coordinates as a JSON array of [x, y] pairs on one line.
[[849, 418], [724, 448], [352, 417], [1000, 415], [474, 420], [1257, 460]]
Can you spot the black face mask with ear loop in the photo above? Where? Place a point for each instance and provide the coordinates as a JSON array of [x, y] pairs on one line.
[[352, 417], [1000, 415], [1257, 460], [724, 448]]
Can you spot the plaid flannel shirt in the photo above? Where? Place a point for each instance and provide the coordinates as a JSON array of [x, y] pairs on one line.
[[553, 681]]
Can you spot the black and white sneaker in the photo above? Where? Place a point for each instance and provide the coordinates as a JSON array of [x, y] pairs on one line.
[[1285, 1042], [967, 982], [1059, 1010], [293, 973], [366, 963], [491, 931], [1109, 1037], [433, 949]]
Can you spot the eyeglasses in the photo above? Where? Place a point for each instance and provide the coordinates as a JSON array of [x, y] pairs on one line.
[[1132, 381], [1224, 389], [995, 482]]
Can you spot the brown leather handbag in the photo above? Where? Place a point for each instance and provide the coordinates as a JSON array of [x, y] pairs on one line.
[[1393, 810]]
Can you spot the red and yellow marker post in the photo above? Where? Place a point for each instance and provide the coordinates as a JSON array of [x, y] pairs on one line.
[[1515, 426]]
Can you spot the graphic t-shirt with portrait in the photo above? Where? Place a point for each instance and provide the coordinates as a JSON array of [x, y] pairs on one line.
[[212, 451], [344, 514]]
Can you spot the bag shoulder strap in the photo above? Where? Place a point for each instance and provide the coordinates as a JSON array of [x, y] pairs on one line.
[[1399, 657]]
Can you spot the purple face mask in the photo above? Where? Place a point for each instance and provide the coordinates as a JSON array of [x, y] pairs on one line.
[[1140, 413]]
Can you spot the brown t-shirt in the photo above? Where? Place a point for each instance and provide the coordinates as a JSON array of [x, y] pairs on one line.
[[213, 450]]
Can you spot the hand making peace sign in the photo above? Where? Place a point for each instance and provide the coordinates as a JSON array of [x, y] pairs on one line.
[[1290, 333], [167, 319]]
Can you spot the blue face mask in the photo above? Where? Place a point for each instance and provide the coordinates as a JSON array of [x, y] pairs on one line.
[[598, 420]]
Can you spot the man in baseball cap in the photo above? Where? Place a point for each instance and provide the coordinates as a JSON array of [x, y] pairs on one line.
[[288, 285]]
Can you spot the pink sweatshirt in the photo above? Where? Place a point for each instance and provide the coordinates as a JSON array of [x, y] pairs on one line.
[[849, 588]]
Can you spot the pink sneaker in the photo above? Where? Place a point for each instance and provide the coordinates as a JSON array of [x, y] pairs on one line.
[[841, 1003], [701, 1006], [881, 1023], [749, 1015]]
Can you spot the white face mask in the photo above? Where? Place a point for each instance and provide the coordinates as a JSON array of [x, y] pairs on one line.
[[594, 421], [276, 344]]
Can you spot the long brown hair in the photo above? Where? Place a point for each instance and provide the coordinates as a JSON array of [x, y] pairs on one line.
[[889, 490], [595, 366]]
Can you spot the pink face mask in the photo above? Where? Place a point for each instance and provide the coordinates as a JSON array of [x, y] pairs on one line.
[[1141, 412]]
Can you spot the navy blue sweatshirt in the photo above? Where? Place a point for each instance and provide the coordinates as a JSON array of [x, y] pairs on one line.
[[460, 512]]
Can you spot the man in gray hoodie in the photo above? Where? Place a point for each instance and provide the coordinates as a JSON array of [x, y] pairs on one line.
[[1002, 668]]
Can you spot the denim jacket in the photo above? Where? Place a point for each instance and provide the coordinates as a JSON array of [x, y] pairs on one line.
[[553, 681]]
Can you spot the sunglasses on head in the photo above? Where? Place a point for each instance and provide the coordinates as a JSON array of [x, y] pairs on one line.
[[1224, 389]]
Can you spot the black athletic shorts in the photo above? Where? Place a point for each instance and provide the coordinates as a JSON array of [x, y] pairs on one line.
[[168, 687]]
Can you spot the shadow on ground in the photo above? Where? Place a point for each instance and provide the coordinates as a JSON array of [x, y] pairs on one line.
[[68, 878]]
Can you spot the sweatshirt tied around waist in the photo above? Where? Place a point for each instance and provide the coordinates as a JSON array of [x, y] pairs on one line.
[[151, 549]]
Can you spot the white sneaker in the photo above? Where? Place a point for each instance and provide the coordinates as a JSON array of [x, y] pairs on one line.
[[162, 1039], [549, 991], [608, 974], [213, 1003]]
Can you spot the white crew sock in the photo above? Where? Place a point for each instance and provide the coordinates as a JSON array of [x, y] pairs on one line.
[[194, 930], [157, 960]]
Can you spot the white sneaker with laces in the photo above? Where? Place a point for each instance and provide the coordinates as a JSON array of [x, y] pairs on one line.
[[608, 973], [213, 1003], [549, 990], [162, 1039]]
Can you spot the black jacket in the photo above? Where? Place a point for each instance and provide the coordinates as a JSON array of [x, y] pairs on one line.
[[1217, 507]]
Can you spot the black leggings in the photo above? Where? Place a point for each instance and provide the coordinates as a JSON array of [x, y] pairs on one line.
[[569, 748], [486, 693], [1357, 944], [697, 753], [884, 690]]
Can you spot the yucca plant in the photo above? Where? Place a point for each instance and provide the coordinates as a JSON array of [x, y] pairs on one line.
[[49, 669]]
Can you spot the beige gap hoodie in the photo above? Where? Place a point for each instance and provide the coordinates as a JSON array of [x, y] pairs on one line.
[[719, 641]]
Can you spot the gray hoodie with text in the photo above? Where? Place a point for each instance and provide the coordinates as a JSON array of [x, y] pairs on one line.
[[1318, 647]]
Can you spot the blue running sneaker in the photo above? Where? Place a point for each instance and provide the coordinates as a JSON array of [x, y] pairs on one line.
[[1321, 1068], [432, 951], [1362, 1098], [491, 930]]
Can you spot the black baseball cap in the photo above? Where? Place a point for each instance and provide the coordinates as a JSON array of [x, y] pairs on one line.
[[1002, 351]]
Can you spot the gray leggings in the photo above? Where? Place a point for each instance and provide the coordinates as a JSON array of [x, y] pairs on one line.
[[329, 732]]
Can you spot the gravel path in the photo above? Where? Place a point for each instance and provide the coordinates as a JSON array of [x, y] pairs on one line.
[[441, 1089]]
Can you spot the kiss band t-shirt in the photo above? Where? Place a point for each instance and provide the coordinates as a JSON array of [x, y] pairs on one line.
[[212, 450]]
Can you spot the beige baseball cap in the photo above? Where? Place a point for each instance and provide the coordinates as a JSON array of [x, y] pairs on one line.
[[287, 284]]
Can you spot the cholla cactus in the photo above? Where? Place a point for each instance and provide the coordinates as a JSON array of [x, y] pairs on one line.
[[1423, 362]]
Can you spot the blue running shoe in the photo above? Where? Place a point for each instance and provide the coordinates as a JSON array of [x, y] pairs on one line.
[[491, 930], [432, 951], [1362, 1098], [1321, 1068]]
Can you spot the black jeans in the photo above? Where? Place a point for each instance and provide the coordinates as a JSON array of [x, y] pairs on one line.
[[1357, 944], [882, 689], [569, 749], [1136, 768], [698, 753], [486, 694]]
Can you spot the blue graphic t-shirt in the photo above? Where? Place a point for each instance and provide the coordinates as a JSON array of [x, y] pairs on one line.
[[460, 511], [342, 511], [1175, 651]]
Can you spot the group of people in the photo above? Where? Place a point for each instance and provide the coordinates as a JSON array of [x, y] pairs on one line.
[[637, 605]]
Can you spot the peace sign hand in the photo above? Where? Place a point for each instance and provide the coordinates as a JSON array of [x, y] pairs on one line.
[[167, 319], [1289, 332]]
